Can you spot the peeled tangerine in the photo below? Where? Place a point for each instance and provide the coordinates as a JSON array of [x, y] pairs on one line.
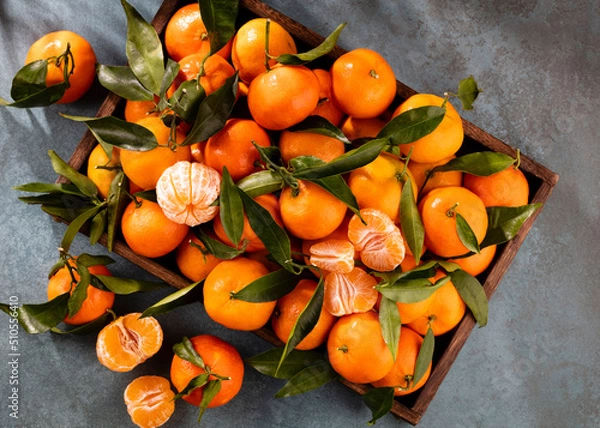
[[186, 191], [149, 401]]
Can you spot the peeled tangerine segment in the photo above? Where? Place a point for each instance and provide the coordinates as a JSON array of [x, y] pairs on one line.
[[149, 401], [186, 190], [348, 293], [333, 255], [379, 241], [128, 341]]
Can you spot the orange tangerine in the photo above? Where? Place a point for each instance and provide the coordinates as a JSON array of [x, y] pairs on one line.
[[355, 128], [326, 107], [149, 401], [477, 263], [192, 262], [420, 171], [96, 168], [294, 144], [507, 188], [347, 293], [332, 255]]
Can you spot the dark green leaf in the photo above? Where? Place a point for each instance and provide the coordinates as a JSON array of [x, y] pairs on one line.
[[448, 266], [87, 328], [82, 182], [466, 234], [219, 18], [425, 356], [186, 351], [349, 161], [39, 318], [118, 132], [190, 294], [117, 201], [68, 188], [125, 286], [213, 112], [197, 382], [217, 248], [144, 50], [79, 290], [411, 290], [468, 92], [97, 227], [89, 260], [478, 163], [379, 401], [323, 49], [168, 78], [56, 200], [305, 322], [56, 267], [389, 318], [268, 288], [77, 224], [268, 231], [122, 81], [410, 221], [211, 389], [187, 99], [29, 80], [308, 379], [43, 98], [231, 209], [69, 214], [267, 363], [426, 270], [472, 293], [505, 222], [261, 183], [320, 125], [148, 195], [413, 124]]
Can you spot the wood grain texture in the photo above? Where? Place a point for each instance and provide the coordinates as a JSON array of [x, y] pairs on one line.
[[410, 409]]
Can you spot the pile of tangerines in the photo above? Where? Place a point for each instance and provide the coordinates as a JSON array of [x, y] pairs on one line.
[[344, 256]]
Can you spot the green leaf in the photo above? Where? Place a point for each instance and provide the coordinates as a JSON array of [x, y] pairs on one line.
[[231, 209], [82, 182], [29, 80], [308, 379], [468, 92], [68, 214], [79, 290], [349, 161], [118, 132], [413, 124], [389, 318], [97, 227], [42, 317], [144, 50], [77, 224], [261, 183], [379, 401], [320, 125], [148, 195], [268, 363], [211, 389], [213, 112], [306, 321], [425, 356], [190, 294], [219, 17], [197, 382], [410, 221], [217, 248], [168, 78], [268, 288], [466, 234], [89, 260], [479, 163], [64, 188], [56, 267], [187, 99], [121, 81], [323, 49], [87, 328], [124, 286], [505, 222], [116, 201], [268, 231], [411, 290], [472, 293], [186, 351], [448, 266], [57, 200]]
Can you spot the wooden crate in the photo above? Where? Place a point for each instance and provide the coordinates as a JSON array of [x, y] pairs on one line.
[[541, 181]]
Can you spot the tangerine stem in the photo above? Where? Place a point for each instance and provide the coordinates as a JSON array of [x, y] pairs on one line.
[[451, 211], [373, 74], [343, 348]]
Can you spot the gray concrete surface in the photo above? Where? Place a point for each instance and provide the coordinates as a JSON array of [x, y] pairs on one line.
[[536, 364]]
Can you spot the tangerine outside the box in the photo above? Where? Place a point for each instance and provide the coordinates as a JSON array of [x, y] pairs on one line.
[[541, 181]]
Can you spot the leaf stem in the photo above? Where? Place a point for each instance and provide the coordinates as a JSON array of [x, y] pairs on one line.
[[451, 211]]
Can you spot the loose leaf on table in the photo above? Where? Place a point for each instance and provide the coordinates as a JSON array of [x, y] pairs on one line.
[[412, 124], [209, 392], [29, 87], [347, 162], [268, 288], [213, 112], [425, 356], [187, 99], [379, 401], [411, 290], [231, 209], [466, 234], [268, 363], [197, 382], [144, 50], [97, 227], [468, 92], [505, 222], [323, 49], [124, 286], [268, 231], [477, 163], [121, 81], [117, 201], [41, 317], [308, 379], [190, 294], [215, 247], [389, 319], [110, 130], [168, 77], [79, 290], [87, 328], [410, 220], [68, 214], [472, 293], [219, 18], [261, 183], [82, 182], [186, 351], [320, 125], [63, 188], [306, 321], [89, 260], [76, 225], [58, 200]]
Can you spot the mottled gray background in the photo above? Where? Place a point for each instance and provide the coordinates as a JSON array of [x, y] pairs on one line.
[[535, 365]]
